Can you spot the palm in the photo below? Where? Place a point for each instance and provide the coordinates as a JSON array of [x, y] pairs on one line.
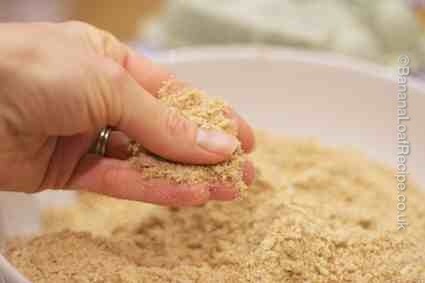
[[41, 163], [65, 154]]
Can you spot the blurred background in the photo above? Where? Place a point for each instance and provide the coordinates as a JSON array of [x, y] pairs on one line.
[[375, 30]]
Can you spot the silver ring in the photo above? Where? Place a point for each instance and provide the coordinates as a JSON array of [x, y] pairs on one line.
[[102, 141]]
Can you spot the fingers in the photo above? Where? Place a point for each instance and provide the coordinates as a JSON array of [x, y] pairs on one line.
[[118, 143], [147, 73], [160, 129], [227, 192], [116, 178], [117, 146], [248, 173], [151, 76], [143, 70], [245, 133]]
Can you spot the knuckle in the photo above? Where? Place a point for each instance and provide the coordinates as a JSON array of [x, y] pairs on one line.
[[80, 32], [78, 26], [116, 80], [108, 39], [175, 124], [110, 87], [116, 74], [110, 46], [103, 42]]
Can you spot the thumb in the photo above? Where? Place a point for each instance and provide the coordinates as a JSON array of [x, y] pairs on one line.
[[161, 129], [158, 128]]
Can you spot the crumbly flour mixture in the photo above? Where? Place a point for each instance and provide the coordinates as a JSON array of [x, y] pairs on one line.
[[314, 214], [208, 113]]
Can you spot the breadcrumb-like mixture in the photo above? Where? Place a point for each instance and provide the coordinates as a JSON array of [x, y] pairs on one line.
[[208, 113], [314, 214]]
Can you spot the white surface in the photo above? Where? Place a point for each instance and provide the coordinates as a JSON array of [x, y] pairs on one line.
[[292, 92]]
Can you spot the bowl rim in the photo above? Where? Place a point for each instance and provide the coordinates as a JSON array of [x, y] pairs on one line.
[[208, 53]]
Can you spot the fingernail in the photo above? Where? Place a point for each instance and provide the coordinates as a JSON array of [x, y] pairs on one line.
[[217, 141]]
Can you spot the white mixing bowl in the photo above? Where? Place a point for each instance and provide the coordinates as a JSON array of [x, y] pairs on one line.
[[339, 100]]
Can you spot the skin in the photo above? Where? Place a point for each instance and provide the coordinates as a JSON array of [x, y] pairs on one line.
[[61, 83]]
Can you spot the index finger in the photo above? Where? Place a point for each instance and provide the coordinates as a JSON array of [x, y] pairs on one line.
[[148, 74], [151, 77]]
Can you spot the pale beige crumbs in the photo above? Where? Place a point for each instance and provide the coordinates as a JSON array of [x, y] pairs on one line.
[[314, 214], [207, 113]]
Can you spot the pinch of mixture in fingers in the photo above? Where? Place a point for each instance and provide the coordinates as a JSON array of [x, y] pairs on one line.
[[208, 113]]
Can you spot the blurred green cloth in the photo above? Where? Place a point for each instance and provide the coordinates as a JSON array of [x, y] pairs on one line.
[[378, 30]]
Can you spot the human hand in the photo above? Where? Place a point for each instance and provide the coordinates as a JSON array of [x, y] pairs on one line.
[[61, 83]]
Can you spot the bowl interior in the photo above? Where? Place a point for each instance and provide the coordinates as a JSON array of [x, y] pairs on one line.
[[290, 92], [334, 98]]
